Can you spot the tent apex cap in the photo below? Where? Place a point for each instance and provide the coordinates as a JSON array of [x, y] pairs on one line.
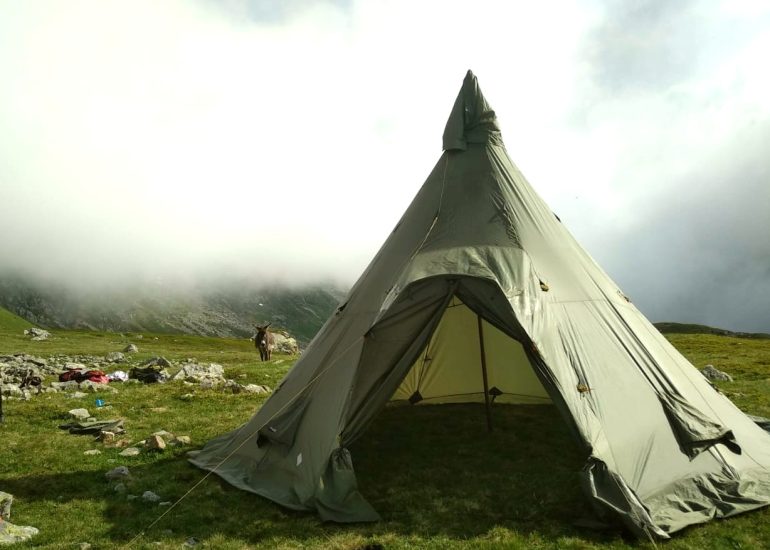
[[472, 120]]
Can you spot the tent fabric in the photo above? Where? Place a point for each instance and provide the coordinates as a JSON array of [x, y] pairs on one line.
[[664, 449]]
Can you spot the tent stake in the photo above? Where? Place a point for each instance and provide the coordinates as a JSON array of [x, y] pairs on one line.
[[484, 375]]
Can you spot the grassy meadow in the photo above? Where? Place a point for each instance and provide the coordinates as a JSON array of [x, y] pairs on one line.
[[438, 480]]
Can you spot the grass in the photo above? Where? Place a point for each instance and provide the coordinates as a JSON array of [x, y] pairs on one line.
[[436, 476]]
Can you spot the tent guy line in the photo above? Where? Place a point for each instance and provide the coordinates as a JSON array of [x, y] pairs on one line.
[[213, 470]]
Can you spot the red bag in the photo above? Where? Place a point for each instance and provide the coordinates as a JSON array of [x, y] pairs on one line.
[[97, 376], [70, 375]]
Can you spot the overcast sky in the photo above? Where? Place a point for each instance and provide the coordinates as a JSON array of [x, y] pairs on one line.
[[284, 139]]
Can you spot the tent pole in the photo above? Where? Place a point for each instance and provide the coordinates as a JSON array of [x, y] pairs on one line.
[[484, 375]]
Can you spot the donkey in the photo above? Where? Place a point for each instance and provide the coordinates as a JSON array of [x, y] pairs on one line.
[[264, 342]]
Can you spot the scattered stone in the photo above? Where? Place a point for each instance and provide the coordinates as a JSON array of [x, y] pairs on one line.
[[120, 488], [118, 473], [164, 433], [131, 497], [187, 397], [85, 546], [284, 343], [95, 387], [92, 452], [37, 334], [714, 374], [78, 395], [6, 499], [181, 440], [149, 496], [156, 443], [254, 388], [130, 451], [74, 366], [192, 541], [10, 533], [158, 362], [115, 357], [164, 504], [79, 414], [131, 348], [212, 374]]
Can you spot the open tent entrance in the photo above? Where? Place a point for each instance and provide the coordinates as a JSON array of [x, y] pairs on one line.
[[469, 360], [446, 339]]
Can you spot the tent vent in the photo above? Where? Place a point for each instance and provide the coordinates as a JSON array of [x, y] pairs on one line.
[[341, 308], [415, 398], [544, 287]]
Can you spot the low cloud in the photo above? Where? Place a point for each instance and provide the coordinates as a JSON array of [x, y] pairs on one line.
[[281, 141]]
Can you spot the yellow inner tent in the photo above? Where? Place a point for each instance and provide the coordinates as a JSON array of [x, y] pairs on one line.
[[449, 369]]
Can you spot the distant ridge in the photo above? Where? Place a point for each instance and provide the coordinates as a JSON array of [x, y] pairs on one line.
[[688, 328]]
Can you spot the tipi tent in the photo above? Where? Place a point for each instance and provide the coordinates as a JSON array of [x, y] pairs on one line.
[[481, 292]]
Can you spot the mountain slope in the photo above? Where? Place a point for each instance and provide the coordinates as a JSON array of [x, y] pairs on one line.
[[11, 322], [689, 328], [226, 309]]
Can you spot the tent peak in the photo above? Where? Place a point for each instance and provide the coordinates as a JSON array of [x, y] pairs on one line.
[[472, 120]]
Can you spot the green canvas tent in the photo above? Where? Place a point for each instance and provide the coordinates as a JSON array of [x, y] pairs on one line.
[[480, 291]]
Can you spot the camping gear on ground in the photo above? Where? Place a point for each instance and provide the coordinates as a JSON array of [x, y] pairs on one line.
[[148, 375], [118, 376], [78, 375], [478, 288], [94, 427]]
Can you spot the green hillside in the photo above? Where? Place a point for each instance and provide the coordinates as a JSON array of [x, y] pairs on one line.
[[690, 328], [11, 322]]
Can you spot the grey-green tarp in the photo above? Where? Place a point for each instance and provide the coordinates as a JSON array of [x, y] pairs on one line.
[[478, 259]]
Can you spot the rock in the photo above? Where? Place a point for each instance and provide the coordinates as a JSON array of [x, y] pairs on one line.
[[187, 397], [131, 497], [74, 366], [94, 387], [233, 386], [119, 488], [149, 496], [115, 357], [6, 499], [212, 374], [11, 534], [164, 504], [11, 390], [181, 440], [66, 386], [37, 334], [164, 433], [118, 473], [79, 414], [254, 388], [158, 362], [85, 546], [130, 451], [192, 541], [284, 344], [156, 443], [78, 395], [92, 452], [130, 348], [713, 374]]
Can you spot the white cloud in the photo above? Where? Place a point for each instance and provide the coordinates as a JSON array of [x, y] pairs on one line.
[[287, 140]]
